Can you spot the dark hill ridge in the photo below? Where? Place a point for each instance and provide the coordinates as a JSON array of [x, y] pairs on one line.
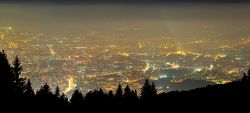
[[233, 89]]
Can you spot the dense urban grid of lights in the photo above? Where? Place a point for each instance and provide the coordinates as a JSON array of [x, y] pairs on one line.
[[78, 62]]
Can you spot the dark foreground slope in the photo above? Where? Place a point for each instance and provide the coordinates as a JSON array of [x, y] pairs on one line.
[[16, 94]]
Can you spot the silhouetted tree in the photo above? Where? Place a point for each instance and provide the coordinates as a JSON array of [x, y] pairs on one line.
[[64, 98], [101, 96], [19, 83], [11, 84], [6, 80], [244, 77], [63, 101], [153, 90], [19, 93], [57, 92], [96, 97], [44, 91], [148, 91], [60, 101], [134, 92], [110, 96], [45, 97], [17, 69], [89, 96], [245, 83], [134, 95], [77, 99], [127, 93], [130, 96], [248, 76], [119, 93], [28, 89], [145, 90], [57, 95]]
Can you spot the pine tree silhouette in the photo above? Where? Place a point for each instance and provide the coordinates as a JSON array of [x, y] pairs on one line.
[[19, 83], [148, 91], [7, 79], [15, 92], [11, 84], [153, 90], [110, 97], [63, 101], [130, 96], [28, 89], [110, 94], [17, 69], [64, 98], [77, 99], [127, 94], [96, 97], [45, 91], [134, 96], [57, 92], [44, 97], [119, 93], [100, 95], [60, 101]]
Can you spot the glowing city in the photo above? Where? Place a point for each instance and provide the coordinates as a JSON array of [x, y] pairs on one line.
[[88, 46]]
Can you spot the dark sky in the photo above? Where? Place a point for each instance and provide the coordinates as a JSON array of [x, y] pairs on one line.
[[189, 19]]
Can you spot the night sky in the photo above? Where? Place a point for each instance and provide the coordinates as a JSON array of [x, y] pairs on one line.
[[180, 18]]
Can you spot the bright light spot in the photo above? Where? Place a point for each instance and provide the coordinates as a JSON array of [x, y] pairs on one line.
[[163, 76], [146, 68], [238, 58], [181, 53], [173, 65], [71, 85], [197, 69], [77, 56], [127, 80], [211, 67], [51, 50], [140, 45], [219, 56], [125, 54]]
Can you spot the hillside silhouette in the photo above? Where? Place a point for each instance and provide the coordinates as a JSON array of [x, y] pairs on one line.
[[17, 94]]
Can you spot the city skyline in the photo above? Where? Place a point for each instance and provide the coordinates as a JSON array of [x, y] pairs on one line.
[[87, 62]]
